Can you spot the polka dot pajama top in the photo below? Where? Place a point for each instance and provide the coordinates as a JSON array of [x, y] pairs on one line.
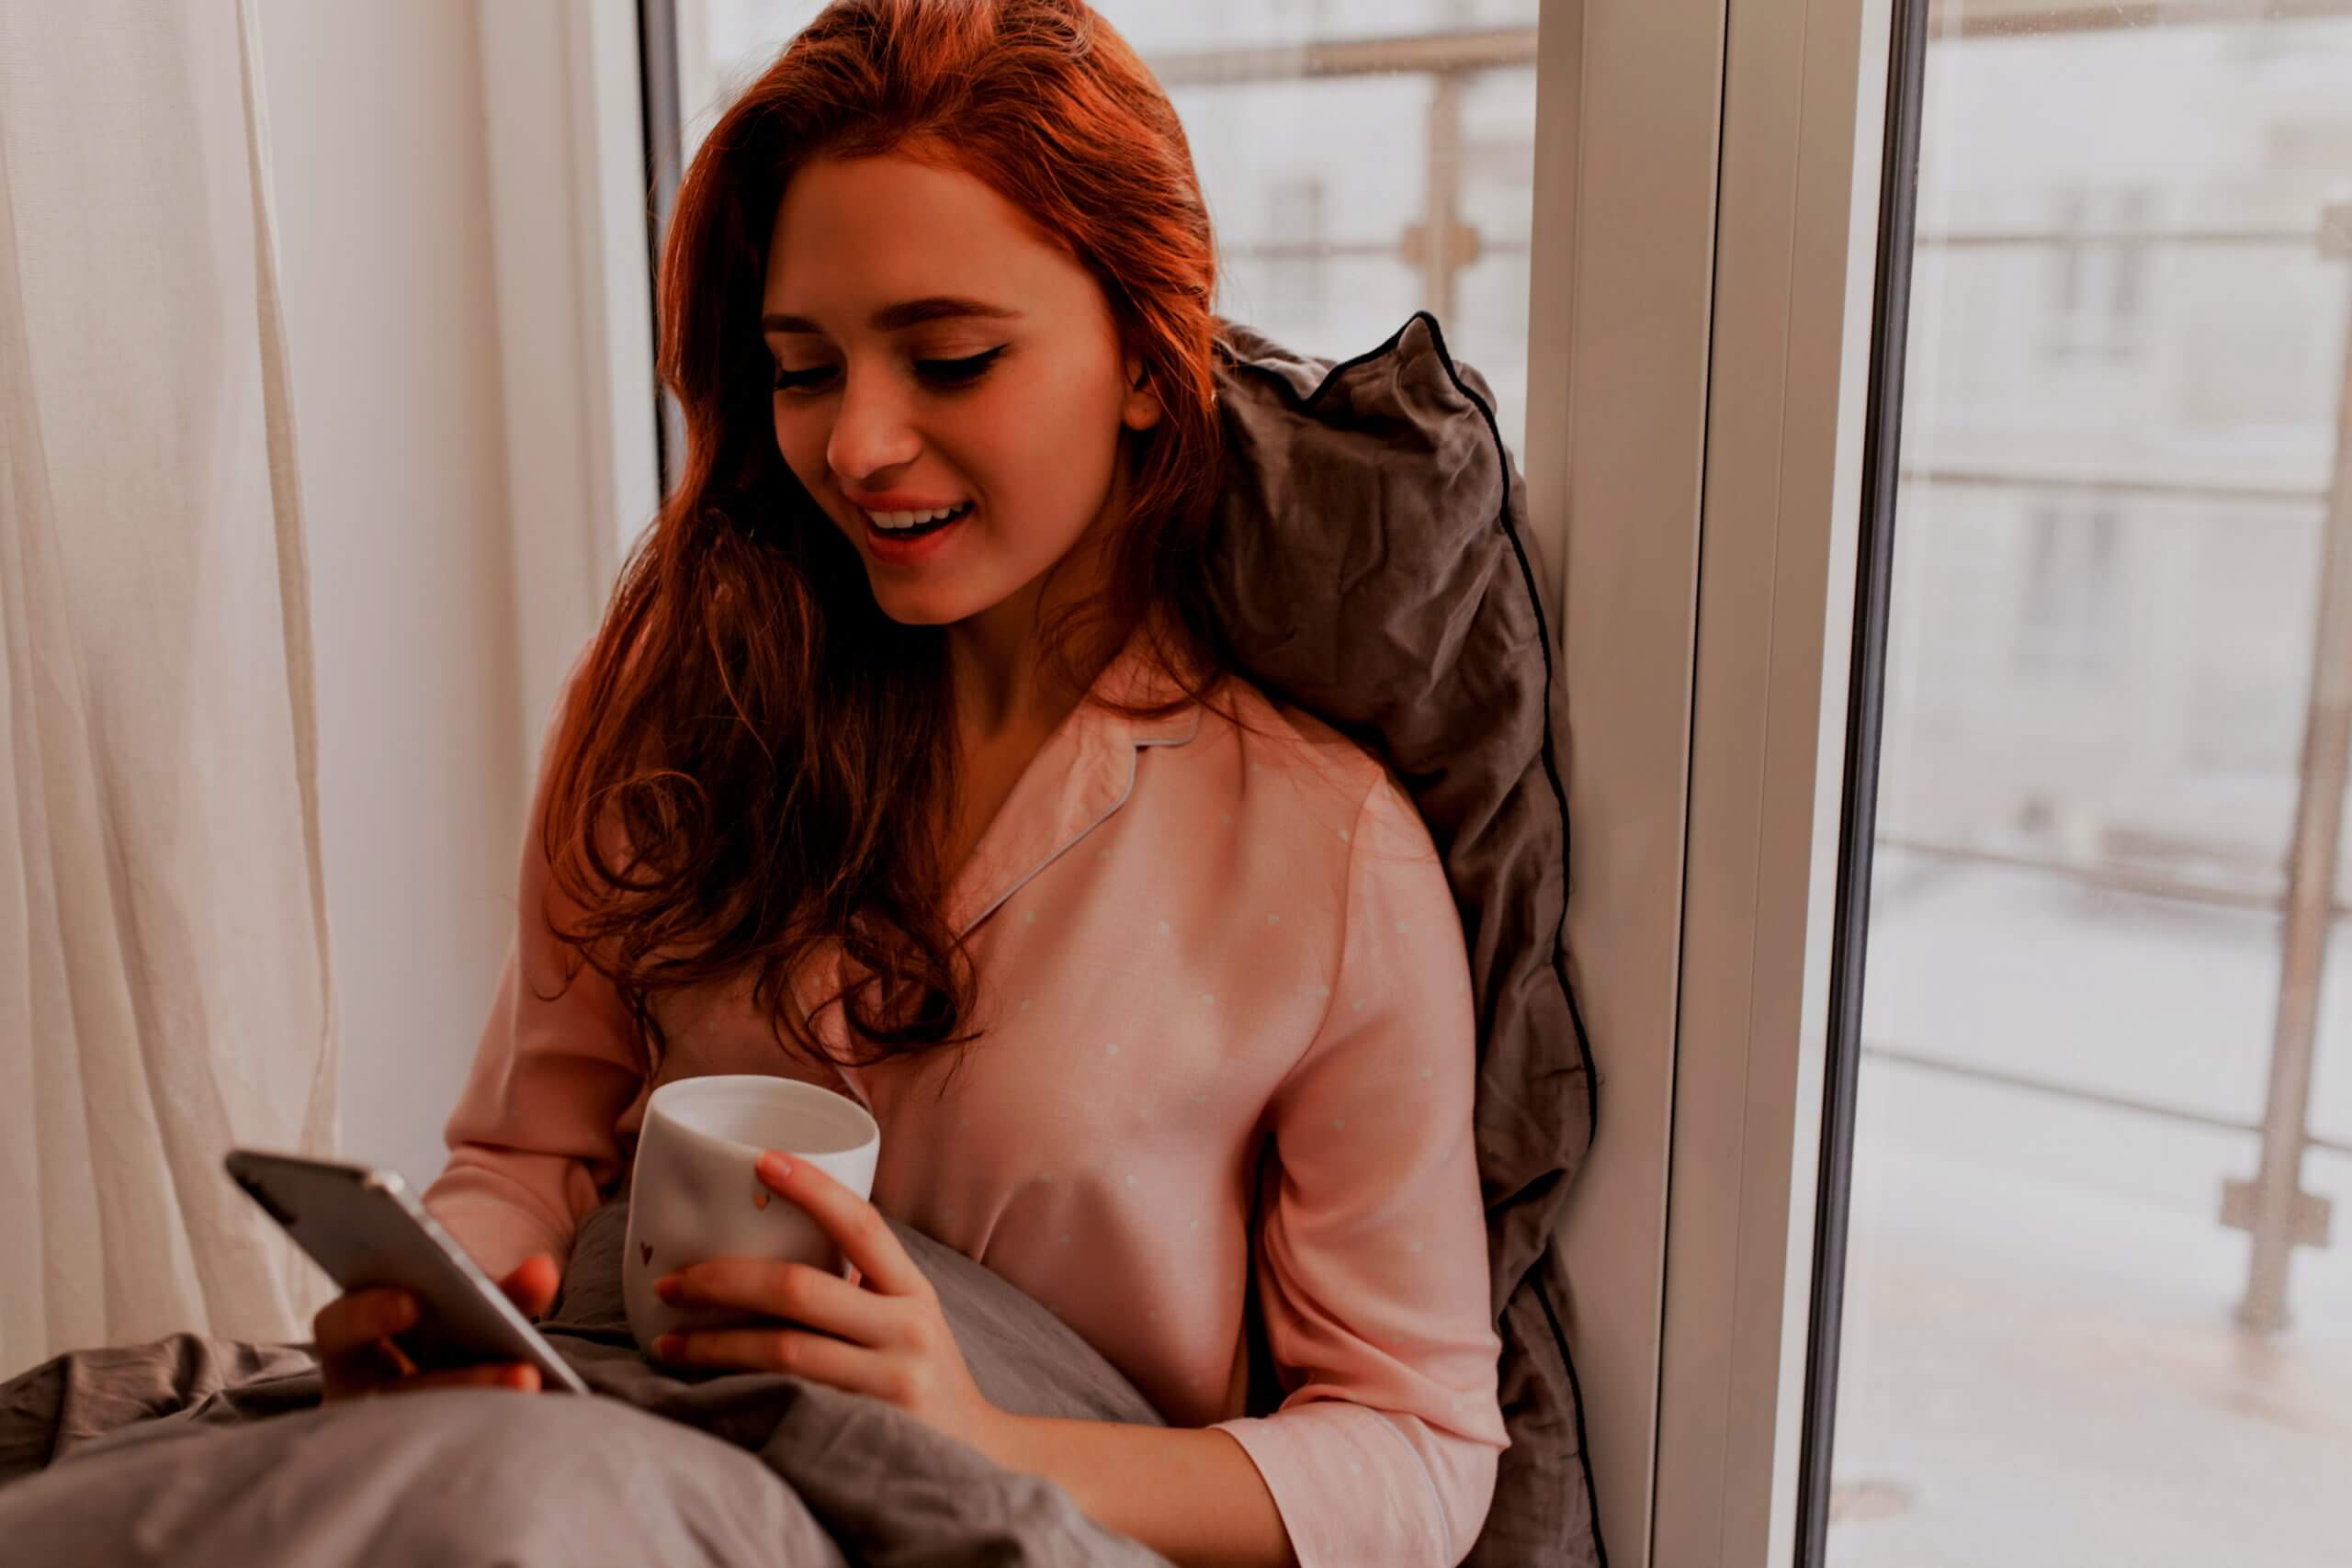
[[1190, 940]]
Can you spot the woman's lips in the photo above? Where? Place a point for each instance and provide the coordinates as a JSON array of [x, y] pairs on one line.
[[893, 547]]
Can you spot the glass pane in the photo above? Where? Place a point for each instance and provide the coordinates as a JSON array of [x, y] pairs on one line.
[[2126, 387], [1333, 139]]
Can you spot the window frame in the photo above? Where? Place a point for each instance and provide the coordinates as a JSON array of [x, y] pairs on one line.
[[1628, 101], [1724, 276]]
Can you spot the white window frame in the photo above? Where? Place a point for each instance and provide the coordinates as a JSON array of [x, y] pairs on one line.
[[1696, 415]]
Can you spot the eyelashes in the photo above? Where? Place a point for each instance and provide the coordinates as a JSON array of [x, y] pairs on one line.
[[802, 380], [958, 372], [938, 372]]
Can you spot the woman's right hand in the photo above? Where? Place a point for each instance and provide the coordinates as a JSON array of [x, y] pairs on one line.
[[357, 1357]]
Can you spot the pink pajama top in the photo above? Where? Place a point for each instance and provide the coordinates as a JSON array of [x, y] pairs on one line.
[[1188, 940]]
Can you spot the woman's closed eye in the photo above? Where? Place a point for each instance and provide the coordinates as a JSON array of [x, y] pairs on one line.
[[939, 372], [958, 372]]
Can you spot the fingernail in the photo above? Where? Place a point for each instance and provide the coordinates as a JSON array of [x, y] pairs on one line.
[[666, 1287], [666, 1346], [775, 1167], [403, 1312], [526, 1378]]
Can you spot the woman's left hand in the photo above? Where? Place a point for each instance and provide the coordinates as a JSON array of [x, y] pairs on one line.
[[883, 1334]]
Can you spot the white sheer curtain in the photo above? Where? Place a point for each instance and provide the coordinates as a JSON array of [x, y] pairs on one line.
[[165, 990]]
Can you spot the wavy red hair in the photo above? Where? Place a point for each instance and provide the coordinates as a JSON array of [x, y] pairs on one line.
[[773, 755]]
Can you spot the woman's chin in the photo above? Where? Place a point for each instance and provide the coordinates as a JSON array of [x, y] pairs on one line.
[[920, 606]]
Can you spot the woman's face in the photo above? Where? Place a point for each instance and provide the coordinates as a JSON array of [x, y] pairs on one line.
[[933, 350]]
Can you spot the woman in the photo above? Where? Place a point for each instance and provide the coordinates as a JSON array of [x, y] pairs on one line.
[[928, 779]]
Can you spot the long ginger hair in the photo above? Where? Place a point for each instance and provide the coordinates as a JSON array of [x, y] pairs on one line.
[[777, 756]]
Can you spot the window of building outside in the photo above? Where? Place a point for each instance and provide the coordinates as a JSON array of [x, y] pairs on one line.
[[2104, 993]]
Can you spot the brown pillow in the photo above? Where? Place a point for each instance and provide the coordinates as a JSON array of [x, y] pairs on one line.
[[1372, 565]]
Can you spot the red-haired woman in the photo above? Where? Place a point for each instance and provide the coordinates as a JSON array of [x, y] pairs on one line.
[[909, 760]]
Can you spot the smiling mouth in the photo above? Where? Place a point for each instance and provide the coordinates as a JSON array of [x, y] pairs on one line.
[[914, 525], [918, 530]]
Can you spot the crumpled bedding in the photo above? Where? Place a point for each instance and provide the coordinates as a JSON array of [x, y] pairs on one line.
[[194, 1450]]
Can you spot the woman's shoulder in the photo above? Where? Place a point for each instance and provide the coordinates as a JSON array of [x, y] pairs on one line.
[[1320, 766]]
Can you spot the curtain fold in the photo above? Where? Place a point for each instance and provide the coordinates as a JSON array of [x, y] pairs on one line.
[[166, 991]]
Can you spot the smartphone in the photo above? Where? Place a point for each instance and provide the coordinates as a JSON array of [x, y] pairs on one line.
[[361, 1225]]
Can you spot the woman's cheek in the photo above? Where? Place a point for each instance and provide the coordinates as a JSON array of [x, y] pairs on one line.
[[804, 453]]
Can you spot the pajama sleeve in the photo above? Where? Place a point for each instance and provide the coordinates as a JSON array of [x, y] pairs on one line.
[[1371, 1257], [533, 1135]]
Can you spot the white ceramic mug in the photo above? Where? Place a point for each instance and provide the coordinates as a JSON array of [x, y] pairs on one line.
[[694, 1193]]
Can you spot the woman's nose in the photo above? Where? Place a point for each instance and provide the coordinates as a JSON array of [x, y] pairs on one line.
[[872, 432]]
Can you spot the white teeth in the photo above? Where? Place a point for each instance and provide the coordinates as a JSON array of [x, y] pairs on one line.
[[909, 519]]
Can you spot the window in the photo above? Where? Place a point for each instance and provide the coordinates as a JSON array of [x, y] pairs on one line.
[[2105, 1092], [2098, 251], [1298, 269]]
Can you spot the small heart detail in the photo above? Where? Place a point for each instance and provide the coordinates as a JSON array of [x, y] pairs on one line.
[[759, 1199], [645, 1252]]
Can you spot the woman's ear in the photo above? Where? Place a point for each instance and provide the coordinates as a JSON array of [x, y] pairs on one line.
[[1141, 410]]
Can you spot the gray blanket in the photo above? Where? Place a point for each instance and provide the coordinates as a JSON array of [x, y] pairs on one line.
[[192, 1450]]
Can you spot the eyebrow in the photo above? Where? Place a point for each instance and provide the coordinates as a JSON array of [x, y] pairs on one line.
[[897, 318]]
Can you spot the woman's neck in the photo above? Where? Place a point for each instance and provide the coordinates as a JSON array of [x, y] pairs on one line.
[[1003, 688]]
